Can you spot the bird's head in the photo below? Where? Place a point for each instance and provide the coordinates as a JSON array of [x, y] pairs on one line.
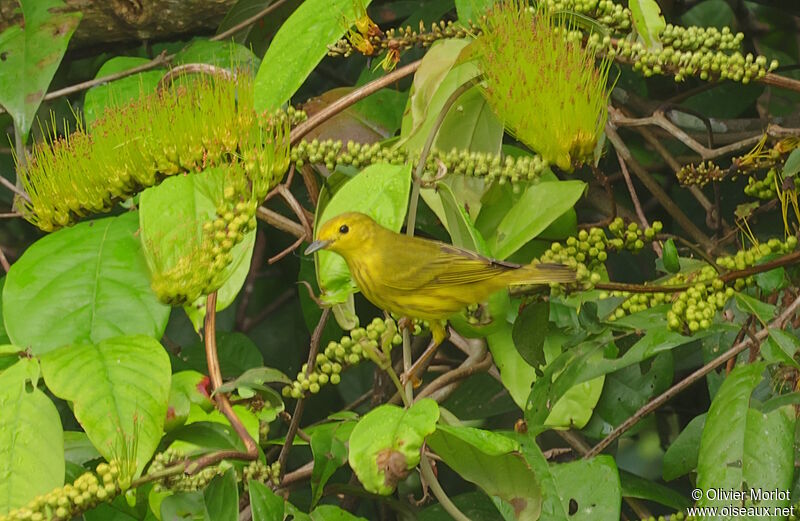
[[343, 233]]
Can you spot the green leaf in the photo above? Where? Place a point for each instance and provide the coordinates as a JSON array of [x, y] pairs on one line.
[[31, 439], [471, 9], [380, 191], [733, 452], [333, 513], [492, 462], [637, 487], [31, 53], [585, 362], [439, 75], [184, 506], [265, 504], [588, 499], [710, 13], [237, 354], [121, 396], [221, 497], [462, 232], [626, 391], [173, 213], [648, 21], [76, 284], [226, 54], [78, 448], [792, 165], [530, 330], [300, 44], [781, 347], [121, 91], [330, 453], [386, 442], [681, 457], [474, 505], [541, 204], [762, 310]]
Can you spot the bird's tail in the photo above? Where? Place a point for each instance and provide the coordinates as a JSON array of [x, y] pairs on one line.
[[544, 273]]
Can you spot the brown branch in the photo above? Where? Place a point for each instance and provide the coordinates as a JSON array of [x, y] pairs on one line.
[[345, 101], [667, 395], [468, 368], [298, 408], [280, 222], [248, 22], [192, 68], [11, 186], [224, 406], [4, 261], [782, 82], [10, 215], [635, 198]]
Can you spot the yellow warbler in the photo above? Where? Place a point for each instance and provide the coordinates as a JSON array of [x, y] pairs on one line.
[[421, 278]]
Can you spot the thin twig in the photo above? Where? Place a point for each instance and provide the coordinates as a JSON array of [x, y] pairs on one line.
[[345, 101], [11, 186], [248, 22], [438, 491], [10, 215], [192, 68], [4, 261], [667, 395], [657, 191], [280, 222], [215, 375], [298, 408], [635, 198]]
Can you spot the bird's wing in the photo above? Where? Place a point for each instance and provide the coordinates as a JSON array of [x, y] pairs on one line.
[[449, 266]]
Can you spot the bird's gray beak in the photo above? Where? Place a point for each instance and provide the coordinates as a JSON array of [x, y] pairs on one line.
[[316, 246]]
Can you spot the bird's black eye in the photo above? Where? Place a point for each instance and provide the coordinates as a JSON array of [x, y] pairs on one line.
[[343, 229]]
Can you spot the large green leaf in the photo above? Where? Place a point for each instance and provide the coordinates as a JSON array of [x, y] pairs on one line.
[[120, 398], [29, 56], [492, 462], [31, 439], [681, 457], [299, 46], [648, 21], [121, 91], [85, 283], [380, 191], [265, 504], [221, 497], [585, 362], [744, 449], [330, 453], [386, 442], [226, 54], [568, 494], [541, 204], [173, 212]]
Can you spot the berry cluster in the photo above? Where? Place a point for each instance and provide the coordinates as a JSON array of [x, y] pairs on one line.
[[88, 490], [380, 335], [694, 308], [263, 473], [699, 175], [461, 162], [183, 129], [588, 251], [181, 482], [614, 16]]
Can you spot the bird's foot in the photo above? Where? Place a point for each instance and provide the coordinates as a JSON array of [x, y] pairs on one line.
[[405, 323]]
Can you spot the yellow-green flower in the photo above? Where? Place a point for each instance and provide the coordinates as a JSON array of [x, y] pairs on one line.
[[545, 87]]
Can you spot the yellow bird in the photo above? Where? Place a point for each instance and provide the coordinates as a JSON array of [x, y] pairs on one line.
[[421, 278]]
